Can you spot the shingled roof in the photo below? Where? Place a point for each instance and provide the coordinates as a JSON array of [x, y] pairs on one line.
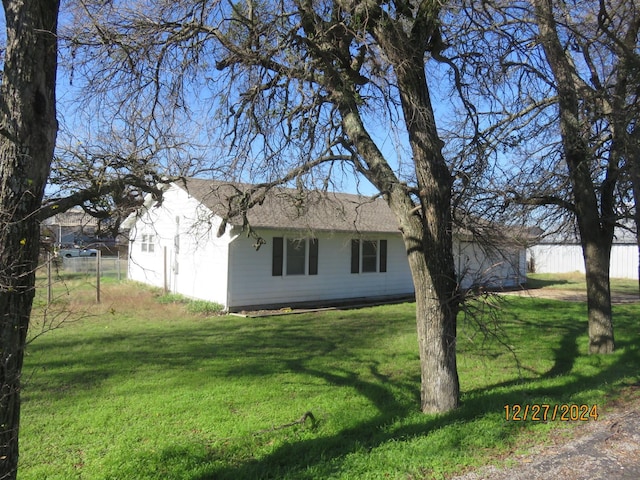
[[291, 209]]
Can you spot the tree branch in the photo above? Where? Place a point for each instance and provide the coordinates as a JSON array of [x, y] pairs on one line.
[[56, 206], [542, 200]]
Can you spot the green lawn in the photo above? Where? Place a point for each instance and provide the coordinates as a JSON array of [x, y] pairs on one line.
[[576, 281], [138, 389]]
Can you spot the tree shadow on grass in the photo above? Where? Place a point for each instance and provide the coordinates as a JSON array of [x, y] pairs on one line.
[[566, 353], [224, 347], [324, 456], [312, 453], [536, 283]]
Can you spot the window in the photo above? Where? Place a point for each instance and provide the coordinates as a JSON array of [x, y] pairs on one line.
[[368, 256], [147, 244], [294, 256]]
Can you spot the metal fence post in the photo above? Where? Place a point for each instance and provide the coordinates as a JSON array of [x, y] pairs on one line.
[[49, 279], [118, 267], [98, 257]]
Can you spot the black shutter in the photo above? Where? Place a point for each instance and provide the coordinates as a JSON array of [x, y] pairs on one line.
[[355, 256], [277, 258], [383, 255], [313, 256]]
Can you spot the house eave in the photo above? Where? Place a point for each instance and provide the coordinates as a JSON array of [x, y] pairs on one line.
[[311, 232]]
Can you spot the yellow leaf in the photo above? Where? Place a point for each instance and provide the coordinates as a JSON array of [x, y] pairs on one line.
[[23, 241]]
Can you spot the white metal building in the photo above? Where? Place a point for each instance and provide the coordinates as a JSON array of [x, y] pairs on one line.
[[555, 256]]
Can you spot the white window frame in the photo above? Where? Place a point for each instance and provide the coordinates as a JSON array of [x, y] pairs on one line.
[[147, 244], [285, 266], [376, 263], [361, 256]]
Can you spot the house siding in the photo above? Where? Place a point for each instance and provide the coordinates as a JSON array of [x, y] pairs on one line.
[[188, 258], [252, 283], [479, 265]]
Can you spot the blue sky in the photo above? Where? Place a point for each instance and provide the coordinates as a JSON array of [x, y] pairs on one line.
[[391, 143]]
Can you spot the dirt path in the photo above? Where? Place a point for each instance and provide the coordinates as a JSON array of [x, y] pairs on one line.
[[606, 449], [571, 295]]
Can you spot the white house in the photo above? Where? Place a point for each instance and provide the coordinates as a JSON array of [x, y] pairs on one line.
[[319, 248]]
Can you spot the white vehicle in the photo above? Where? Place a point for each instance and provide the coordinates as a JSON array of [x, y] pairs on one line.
[[78, 252]]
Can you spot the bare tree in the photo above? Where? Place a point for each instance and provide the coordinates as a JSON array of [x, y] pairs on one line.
[[300, 91], [560, 94], [109, 175]]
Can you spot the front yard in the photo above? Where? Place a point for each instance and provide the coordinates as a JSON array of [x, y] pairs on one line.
[[135, 388]]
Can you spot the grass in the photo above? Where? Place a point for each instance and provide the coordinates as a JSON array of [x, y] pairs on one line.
[[576, 282], [200, 307], [145, 390]]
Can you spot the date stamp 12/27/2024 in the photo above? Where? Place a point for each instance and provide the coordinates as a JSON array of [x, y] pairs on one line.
[[543, 412]]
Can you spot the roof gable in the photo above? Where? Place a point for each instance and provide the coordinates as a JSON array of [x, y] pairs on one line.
[[290, 209], [74, 217]]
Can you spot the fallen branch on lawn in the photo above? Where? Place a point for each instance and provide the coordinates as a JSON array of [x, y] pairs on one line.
[[300, 421]]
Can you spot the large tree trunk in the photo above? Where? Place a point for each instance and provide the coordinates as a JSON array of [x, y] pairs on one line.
[[595, 219], [426, 226], [430, 256], [423, 210], [432, 265], [596, 236], [596, 260], [436, 311], [27, 138]]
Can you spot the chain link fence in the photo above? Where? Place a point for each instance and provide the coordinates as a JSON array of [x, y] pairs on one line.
[[56, 271], [112, 267]]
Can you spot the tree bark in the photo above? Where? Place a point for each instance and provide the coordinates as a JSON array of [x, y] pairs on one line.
[[436, 325], [596, 260], [27, 138], [432, 266], [433, 273]]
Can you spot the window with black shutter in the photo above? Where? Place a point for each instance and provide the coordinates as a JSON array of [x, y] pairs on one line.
[[383, 256], [368, 256], [313, 256], [277, 256], [289, 257], [355, 256]]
